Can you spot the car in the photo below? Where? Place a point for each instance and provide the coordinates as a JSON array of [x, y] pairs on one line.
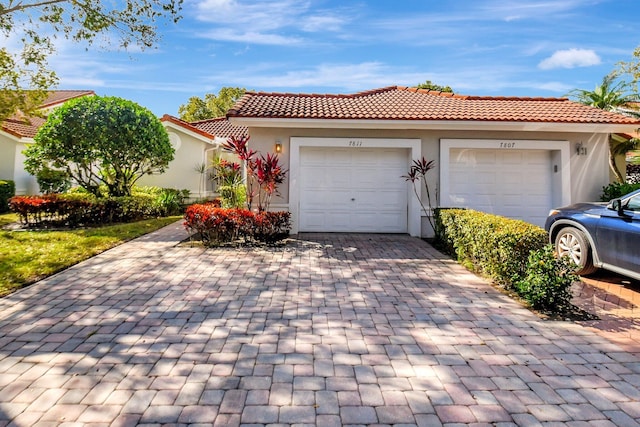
[[599, 235]]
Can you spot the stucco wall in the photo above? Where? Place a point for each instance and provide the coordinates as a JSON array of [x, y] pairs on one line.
[[181, 172], [589, 172], [7, 157], [25, 182]]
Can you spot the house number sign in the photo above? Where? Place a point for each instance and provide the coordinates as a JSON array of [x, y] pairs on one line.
[[507, 145], [355, 143]]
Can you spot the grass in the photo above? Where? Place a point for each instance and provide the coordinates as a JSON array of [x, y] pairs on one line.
[[28, 256]]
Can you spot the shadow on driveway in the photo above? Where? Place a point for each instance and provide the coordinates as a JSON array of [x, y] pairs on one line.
[[331, 329]]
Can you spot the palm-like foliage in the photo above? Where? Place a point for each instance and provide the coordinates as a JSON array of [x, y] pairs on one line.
[[615, 96]]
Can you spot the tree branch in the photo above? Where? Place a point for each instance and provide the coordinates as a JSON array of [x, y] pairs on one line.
[[21, 6]]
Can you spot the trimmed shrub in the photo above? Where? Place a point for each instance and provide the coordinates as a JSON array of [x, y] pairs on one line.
[[81, 208], [214, 225], [270, 227], [547, 284], [492, 245], [616, 190], [53, 181], [7, 191]]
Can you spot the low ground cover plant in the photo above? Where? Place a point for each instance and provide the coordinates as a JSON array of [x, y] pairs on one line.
[[513, 253], [215, 225]]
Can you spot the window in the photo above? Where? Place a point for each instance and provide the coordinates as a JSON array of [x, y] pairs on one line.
[[633, 204]]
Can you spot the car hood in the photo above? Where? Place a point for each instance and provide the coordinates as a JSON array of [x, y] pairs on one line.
[[593, 207]]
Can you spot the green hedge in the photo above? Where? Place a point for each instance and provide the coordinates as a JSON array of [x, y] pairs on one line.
[[7, 191], [616, 190], [81, 208], [491, 245]]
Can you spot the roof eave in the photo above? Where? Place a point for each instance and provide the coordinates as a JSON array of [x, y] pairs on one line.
[[16, 136], [171, 122], [434, 125]]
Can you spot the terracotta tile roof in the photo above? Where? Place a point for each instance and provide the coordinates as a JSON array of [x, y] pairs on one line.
[[61, 96], [27, 126], [221, 127], [211, 128], [23, 127], [402, 103]]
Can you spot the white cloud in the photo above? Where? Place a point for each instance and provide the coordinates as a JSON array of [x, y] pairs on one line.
[[272, 22], [570, 58], [251, 37], [509, 11]]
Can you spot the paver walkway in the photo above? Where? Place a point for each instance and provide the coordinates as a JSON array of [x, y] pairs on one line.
[[330, 330]]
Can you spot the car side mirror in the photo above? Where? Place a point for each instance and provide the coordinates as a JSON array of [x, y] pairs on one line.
[[616, 205]]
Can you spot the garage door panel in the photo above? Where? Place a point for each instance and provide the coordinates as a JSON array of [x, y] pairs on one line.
[[513, 183], [485, 158], [371, 177]]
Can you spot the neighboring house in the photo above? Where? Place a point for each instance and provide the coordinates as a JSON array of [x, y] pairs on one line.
[[346, 154], [196, 144], [18, 131]]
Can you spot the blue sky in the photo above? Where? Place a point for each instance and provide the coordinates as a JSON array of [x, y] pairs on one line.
[[478, 47]]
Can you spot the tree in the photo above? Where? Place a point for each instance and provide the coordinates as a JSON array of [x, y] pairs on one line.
[[432, 86], [631, 67], [25, 76], [611, 95], [101, 140], [211, 106]]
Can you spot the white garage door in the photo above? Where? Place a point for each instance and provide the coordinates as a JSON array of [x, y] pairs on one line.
[[353, 189], [512, 183]]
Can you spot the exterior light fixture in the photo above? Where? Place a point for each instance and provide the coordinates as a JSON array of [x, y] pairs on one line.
[[581, 150], [278, 147]]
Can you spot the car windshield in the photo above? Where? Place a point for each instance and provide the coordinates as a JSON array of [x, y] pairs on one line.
[[633, 204]]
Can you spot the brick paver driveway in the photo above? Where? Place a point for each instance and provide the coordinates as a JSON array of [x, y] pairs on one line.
[[331, 330]]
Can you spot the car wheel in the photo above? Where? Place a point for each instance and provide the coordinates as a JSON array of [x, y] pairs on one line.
[[573, 243]]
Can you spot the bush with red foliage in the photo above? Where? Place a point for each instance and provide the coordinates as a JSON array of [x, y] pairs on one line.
[[214, 225], [270, 227], [49, 208], [72, 210]]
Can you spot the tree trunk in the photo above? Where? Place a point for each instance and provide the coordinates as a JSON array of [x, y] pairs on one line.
[[612, 162]]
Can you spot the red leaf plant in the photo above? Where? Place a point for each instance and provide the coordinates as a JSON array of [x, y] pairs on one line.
[[264, 174]]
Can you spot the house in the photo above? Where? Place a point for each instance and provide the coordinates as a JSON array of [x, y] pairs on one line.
[[195, 144], [18, 131], [347, 154]]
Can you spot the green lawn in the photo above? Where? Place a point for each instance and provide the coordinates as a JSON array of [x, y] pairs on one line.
[[28, 256]]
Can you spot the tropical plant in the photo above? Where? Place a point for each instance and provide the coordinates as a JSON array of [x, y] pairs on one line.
[[264, 174], [25, 75], [269, 174], [612, 95], [229, 185], [201, 169], [418, 172], [101, 141]]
